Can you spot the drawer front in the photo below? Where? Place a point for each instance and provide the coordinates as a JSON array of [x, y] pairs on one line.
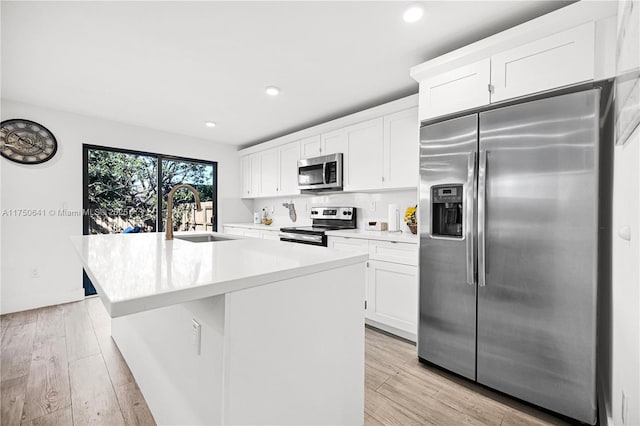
[[387, 251], [253, 233], [352, 245], [271, 235], [233, 231]]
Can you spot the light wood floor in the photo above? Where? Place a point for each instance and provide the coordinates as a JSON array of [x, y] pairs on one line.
[[59, 366]]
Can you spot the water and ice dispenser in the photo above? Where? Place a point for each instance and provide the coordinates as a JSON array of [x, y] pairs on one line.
[[446, 211]]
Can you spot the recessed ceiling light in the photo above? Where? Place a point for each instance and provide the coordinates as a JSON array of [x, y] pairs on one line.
[[413, 13], [210, 124], [272, 90]]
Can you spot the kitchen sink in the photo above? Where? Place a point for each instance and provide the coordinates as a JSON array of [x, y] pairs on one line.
[[202, 238]]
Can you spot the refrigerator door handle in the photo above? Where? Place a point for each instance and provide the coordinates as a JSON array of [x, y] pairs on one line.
[[469, 223], [482, 180]]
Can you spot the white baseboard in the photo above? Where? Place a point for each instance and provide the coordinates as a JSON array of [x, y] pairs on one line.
[[35, 301], [395, 331]]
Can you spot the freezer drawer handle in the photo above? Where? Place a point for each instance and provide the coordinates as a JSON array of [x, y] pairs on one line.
[[482, 190], [469, 201]]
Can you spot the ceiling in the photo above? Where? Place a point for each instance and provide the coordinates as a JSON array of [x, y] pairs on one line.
[[174, 65]]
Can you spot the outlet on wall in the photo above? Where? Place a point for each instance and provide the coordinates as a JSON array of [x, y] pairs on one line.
[[35, 273], [372, 206]]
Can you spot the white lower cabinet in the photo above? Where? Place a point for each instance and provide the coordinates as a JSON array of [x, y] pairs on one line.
[[391, 296]]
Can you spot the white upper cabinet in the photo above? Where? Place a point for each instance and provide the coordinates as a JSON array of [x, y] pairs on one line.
[[333, 142], [310, 147], [269, 172], [256, 174], [245, 177], [401, 140], [363, 155], [288, 156], [456, 90], [379, 148], [569, 46], [559, 60]]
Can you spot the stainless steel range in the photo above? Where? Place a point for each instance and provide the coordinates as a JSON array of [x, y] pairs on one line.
[[323, 219]]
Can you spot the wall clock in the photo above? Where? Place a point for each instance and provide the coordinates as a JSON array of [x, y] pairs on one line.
[[26, 142]]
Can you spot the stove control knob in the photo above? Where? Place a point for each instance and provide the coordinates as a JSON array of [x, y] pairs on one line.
[[345, 213]]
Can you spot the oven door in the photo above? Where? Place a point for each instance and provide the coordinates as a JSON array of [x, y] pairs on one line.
[[294, 237], [320, 172]]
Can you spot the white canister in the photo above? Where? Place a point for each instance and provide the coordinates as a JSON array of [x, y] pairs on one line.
[[394, 218], [256, 218]]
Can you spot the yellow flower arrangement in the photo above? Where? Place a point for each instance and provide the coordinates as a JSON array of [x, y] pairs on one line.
[[410, 215]]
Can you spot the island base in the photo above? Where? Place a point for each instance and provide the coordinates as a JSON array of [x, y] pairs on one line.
[[284, 353]]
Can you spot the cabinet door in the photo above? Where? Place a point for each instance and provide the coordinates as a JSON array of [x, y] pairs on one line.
[[256, 178], [558, 60], [310, 147], [363, 158], [401, 157], [288, 156], [351, 245], [334, 142], [392, 296], [245, 177], [269, 172], [456, 90]]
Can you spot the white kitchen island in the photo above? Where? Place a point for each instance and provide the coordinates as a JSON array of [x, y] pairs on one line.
[[282, 327]]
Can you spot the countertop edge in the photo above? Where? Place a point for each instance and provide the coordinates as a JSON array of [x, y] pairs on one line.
[[177, 296], [131, 306]]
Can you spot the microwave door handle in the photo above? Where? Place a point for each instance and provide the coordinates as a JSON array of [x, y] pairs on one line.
[[324, 173]]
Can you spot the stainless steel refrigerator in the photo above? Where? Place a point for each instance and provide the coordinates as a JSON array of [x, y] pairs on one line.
[[509, 218]]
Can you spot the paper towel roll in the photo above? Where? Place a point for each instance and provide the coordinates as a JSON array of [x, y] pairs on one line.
[[394, 218]]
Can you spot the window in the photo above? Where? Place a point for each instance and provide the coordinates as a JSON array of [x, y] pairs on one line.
[[126, 192]]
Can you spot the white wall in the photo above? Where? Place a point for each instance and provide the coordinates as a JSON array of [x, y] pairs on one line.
[[620, 338], [371, 206], [42, 242], [625, 299]]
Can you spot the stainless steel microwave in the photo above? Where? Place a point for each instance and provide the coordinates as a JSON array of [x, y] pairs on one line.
[[320, 173]]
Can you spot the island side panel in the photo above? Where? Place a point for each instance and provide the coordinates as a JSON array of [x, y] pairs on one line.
[[179, 386], [294, 351]]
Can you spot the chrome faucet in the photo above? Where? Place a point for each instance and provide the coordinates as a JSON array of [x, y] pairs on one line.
[[170, 206]]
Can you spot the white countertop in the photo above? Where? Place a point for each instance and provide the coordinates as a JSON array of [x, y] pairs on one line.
[[139, 272], [401, 237]]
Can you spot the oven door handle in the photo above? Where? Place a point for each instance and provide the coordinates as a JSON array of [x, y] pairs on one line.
[[301, 237]]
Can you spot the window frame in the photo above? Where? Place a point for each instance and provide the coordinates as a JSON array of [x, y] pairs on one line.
[[159, 158]]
